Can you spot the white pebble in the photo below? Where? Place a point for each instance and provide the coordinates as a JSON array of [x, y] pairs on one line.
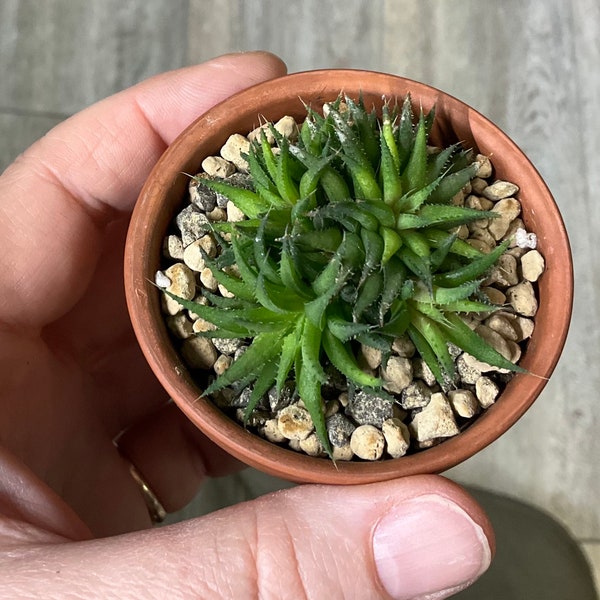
[[523, 239], [161, 280]]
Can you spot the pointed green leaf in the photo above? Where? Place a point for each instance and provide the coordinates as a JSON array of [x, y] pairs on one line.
[[345, 362], [472, 270], [469, 341], [264, 382], [415, 175], [250, 203], [263, 348]]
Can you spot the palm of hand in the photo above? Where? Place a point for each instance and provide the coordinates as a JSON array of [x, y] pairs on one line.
[[72, 374]]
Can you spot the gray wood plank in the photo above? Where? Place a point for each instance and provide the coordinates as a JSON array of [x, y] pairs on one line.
[[61, 55], [324, 34]]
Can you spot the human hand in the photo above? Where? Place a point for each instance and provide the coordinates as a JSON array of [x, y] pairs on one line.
[[73, 378]]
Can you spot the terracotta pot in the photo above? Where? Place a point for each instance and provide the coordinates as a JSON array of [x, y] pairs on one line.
[[164, 194]]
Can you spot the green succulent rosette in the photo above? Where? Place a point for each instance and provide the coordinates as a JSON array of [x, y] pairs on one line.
[[350, 239]]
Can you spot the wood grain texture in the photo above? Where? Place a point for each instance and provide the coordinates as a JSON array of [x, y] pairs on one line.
[[532, 67], [61, 55]]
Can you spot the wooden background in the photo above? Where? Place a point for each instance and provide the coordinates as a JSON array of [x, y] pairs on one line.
[[533, 67]]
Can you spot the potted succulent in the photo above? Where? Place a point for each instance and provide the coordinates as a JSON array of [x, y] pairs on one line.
[[349, 241]]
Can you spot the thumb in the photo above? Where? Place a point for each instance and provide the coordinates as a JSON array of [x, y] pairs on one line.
[[419, 537]]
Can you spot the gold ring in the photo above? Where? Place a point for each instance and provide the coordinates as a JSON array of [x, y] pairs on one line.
[[156, 510]]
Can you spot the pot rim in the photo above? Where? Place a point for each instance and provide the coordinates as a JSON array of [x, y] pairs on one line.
[[167, 179]]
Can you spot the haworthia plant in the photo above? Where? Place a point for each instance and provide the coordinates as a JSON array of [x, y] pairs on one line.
[[349, 239]]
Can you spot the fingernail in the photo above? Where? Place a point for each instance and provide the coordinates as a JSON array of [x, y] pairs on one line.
[[428, 548]]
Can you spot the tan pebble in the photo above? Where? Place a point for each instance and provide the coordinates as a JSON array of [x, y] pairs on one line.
[[464, 403], [367, 442], [342, 452], [485, 166], [422, 370], [173, 247], [503, 325], [208, 244], [504, 273], [170, 306], [516, 252], [312, 446], [473, 201], [295, 445], [222, 363], [481, 234], [256, 135], [515, 352], [200, 326], [183, 281], [371, 356], [343, 399], [199, 352], [486, 391], [458, 199], [215, 166], [500, 190], [294, 422], [180, 326], [479, 245], [200, 299], [216, 215], [436, 420], [532, 265], [224, 291], [207, 279], [397, 374], [193, 257], [287, 127], [403, 346], [234, 147], [462, 232], [516, 225], [271, 432], [508, 209], [494, 339], [234, 214], [427, 444], [522, 298], [478, 184], [494, 295], [397, 437], [525, 327], [332, 407]]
